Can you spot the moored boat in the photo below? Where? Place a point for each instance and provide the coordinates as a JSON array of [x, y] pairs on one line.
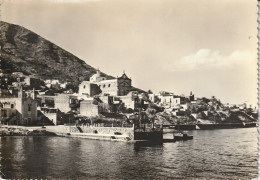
[[225, 125], [182, 136]]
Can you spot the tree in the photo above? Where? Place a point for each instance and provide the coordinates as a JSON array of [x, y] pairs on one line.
[[120, 108], [129, 110]]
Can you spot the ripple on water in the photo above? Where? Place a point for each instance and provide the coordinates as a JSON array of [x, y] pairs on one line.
[[211, 154]]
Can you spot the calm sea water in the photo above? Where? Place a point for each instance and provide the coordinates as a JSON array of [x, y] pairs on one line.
[[227, 153]]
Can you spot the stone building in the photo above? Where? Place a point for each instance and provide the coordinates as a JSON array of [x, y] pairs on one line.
[[88, 88], [33, 82], [50, 114], [130, 101], [120, 86], [89, 108], [20, 110], [66, 102]]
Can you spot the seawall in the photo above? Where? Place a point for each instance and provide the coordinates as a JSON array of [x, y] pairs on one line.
[[93, 132]]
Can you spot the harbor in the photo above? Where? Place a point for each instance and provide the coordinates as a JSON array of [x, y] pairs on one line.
[[96, 89], [234, 157], [130, 134]]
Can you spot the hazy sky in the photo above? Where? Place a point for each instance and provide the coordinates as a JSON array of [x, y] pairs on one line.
[[205, 46]]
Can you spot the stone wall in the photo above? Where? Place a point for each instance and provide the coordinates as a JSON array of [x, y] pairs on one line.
[[89, 129], [110, 130]]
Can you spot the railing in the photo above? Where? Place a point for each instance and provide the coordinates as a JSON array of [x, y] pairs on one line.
[[98, 125], [148, 129]]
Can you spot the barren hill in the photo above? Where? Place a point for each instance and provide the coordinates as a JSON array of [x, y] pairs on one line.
[[25, 51]]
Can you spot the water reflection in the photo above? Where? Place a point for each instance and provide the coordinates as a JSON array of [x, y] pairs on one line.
[[212, 154]]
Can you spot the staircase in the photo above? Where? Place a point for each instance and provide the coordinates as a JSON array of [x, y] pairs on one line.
[[80, 130]]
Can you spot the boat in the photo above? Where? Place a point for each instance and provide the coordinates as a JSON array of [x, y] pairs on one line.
[[225, 125], [182, 136]]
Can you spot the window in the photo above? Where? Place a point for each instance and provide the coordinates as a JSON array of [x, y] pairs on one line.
[[12, 106], [109, 85], [4, 113], [29, 107], [84, 86], [104, 85]]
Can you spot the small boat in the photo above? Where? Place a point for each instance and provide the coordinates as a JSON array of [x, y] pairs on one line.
[[181, 136]]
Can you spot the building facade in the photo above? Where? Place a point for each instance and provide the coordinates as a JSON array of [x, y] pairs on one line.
[[65, 102], [88, 88], [89, 108], [20, 110], [120, 86]]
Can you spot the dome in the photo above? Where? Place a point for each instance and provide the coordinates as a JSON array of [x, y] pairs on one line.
[[97, 77]]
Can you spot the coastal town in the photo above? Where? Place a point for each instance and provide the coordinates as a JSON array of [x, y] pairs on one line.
[[96, 89], [29, 101]]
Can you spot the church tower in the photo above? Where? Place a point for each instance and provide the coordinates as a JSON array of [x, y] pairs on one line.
[[192, 96], [124, 85]]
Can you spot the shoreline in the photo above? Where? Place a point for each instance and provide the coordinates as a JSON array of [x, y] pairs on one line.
[[24, 131], [6, 131]]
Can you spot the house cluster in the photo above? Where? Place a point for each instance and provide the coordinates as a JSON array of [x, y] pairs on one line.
[[27, 100]]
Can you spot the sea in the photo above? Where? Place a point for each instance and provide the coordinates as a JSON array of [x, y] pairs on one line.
[[212, 154]]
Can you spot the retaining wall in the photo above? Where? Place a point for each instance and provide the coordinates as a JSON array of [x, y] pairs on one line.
[[91, 130]]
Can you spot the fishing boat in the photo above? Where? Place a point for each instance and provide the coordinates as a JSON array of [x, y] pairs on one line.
[[182, 136]]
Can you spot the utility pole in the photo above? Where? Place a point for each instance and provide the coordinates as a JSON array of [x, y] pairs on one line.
[[69, 122], [16, 119], [140, 117]]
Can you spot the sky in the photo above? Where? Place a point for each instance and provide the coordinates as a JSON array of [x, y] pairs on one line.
[[208, 47]]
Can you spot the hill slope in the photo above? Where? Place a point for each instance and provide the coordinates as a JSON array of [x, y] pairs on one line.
[[25, 51]]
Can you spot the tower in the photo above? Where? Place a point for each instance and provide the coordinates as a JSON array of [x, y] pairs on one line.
[[191, 96], [21, 94], [124, 85]]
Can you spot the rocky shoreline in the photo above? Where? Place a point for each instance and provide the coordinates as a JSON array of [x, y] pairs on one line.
[[7, 131]]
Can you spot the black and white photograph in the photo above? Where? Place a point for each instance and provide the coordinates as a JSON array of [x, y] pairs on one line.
[[128, 89]]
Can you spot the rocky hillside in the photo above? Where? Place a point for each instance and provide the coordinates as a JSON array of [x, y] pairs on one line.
[[27, 52]]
